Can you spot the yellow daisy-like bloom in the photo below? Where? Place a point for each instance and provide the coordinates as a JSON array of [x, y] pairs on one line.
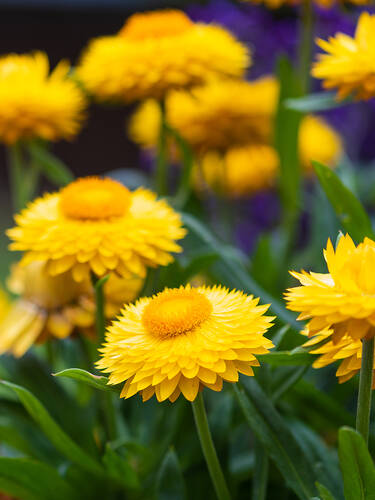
[[240, 171], [158, 51], [98, 225], [318, 141], [36, 103], [184, 339], [55, 306], [349, 64], [341, 302], [225, 114]]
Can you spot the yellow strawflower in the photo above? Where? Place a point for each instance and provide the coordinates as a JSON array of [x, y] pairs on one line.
[[341, 302], [318, 141], [158, 51], [349, 62], [4, 303], [185, 339], [55, 306], [98, 225], [36, 103], [240, 171]]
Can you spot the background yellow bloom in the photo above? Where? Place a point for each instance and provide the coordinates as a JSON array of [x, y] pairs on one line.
[[36, 103]]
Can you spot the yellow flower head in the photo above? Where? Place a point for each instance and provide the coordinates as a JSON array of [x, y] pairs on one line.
[[349, 63], [55, 306], [158, 51], [318, 141], [4, 303], [341, 302], [36, 103], [98, 225], [240, 171], [184, 339], [225, 114]]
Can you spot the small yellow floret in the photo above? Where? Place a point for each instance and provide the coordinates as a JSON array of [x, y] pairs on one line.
[[94, 198], [349, 62], [175, 311], [158, 24]]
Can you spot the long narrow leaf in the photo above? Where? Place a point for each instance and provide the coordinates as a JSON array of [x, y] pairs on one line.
[[97, 381]]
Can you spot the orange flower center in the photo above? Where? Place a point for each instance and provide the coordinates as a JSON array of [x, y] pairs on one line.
[[94, 199], [175, 311], [158, 24]]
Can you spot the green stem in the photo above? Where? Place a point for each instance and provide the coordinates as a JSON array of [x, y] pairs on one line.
[[365, 389], [208, 448], [305, 43], [16, 175], [187, 158], [260, 479], [161, 174]]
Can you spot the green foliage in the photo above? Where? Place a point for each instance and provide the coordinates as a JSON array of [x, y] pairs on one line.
[[312, 103], [170, 484]]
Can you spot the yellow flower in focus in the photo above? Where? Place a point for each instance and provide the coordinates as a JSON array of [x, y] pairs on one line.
[[55, 306], [346, 350], [225, 114], [158, 51], [98, 225], [318, 141], [349, 63], [342, 301], [184, 339], [240, 171], [36, 103]]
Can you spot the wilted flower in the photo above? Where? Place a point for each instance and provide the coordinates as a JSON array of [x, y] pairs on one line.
[[158, 51], [36, 104], [349, 63], [342, 302], [98, 225], [184, 339]]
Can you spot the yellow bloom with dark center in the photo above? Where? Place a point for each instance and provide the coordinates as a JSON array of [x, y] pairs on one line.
[[341, 302], [185, 339], [349, 62], [318, 141], [55, 306], [36, 103], [98, 225], [240, 171], [158, 51]]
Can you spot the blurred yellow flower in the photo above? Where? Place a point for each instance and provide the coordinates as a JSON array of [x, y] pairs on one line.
[[240, 171], [346, 350], [318, 141], [98, 225], [185, 339], [158, 51], [36, 103], [342, 302], [4, 303], [349, 63], [55, 306]]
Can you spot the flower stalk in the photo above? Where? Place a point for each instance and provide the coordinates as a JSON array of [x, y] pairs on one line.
[[213, 464], [161, 174], [365, 389]]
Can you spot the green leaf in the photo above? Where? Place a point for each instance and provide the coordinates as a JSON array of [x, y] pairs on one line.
[[52, 167], [282, 447], [313, 103], [97, 381], [233, 271], [29, 479], [324, 492], [53, 431], [357, 467], [119, 469], [347, 207], [296, 357], [170, 483]]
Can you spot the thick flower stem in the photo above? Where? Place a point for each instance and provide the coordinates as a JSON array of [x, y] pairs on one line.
[[305, 43], [161, 174], [208, 448], [365, 388], [16, 176]]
